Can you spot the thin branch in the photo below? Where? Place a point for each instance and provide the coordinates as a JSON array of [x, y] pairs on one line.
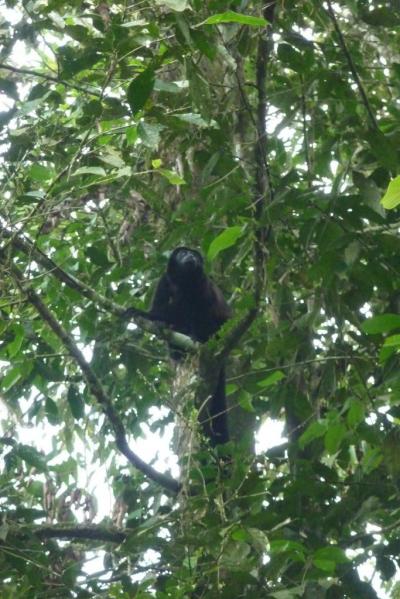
[[352, 66], [53, 78], [95, 387]]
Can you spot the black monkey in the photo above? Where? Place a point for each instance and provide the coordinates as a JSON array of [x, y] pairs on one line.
[[187, 300]]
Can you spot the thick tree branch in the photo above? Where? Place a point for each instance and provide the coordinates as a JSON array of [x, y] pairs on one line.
[[82, 532], [351, 64], [95, 387]]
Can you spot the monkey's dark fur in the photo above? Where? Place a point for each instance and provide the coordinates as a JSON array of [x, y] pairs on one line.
[[187, 300]]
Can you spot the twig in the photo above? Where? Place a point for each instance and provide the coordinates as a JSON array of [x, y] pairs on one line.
[[352, 66], [53, 78]]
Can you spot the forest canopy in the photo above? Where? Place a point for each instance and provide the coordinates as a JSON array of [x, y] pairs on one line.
[[266, 137]]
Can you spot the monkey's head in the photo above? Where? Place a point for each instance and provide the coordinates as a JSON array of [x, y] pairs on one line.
[[185, 265]]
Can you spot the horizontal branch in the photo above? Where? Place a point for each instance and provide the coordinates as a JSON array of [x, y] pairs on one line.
[[82, 532], [47, 77]]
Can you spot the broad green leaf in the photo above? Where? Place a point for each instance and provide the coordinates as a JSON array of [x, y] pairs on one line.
[[273, 378], [356, 412], [75, 402], [391, 199], [287, 546], [90, 170], [140, 90], [371, 460], [314, 430], [11, 378], [51, 410], [172, 177], [381, 324], [150, 133], [38, 172], [234, 17], [97, 256], [334, 437], [331, 553], [226, 239], [15, 345], [32, 457], [392, 341], [325, 564]]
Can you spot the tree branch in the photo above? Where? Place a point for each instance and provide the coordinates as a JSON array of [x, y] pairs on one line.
[[95, 387], [21, 71], [352, 66], [81, 532]]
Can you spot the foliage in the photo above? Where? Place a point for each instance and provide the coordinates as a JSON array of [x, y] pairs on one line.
[[129, 129]]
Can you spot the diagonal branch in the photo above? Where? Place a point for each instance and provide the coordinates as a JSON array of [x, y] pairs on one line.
[[351, 64], [95, 387]]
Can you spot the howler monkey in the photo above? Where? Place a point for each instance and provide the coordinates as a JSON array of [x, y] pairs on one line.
[[187, 300]]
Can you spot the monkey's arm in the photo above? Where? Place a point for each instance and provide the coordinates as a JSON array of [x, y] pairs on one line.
[[161, 304], [160, 309]]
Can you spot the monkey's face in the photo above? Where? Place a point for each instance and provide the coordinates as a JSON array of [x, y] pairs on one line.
[[185, 264]]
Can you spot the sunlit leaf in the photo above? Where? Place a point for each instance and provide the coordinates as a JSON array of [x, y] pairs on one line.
[[226, 239], [234, 17], [391, 199]]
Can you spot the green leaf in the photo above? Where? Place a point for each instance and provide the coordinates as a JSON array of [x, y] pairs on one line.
[[325, 564], [140, 89], [75, 402], [381, 324], [392, 341], [38, 172], [356, 413], [150, 134], [391, 199], [315, 430], [334, 437], [172, 177], [272, 379], [226, 239], [234, 17], [97, 256], [32, 457], [51, 410], [89, 170], [11, 378], [15, 345], [331, 553]]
